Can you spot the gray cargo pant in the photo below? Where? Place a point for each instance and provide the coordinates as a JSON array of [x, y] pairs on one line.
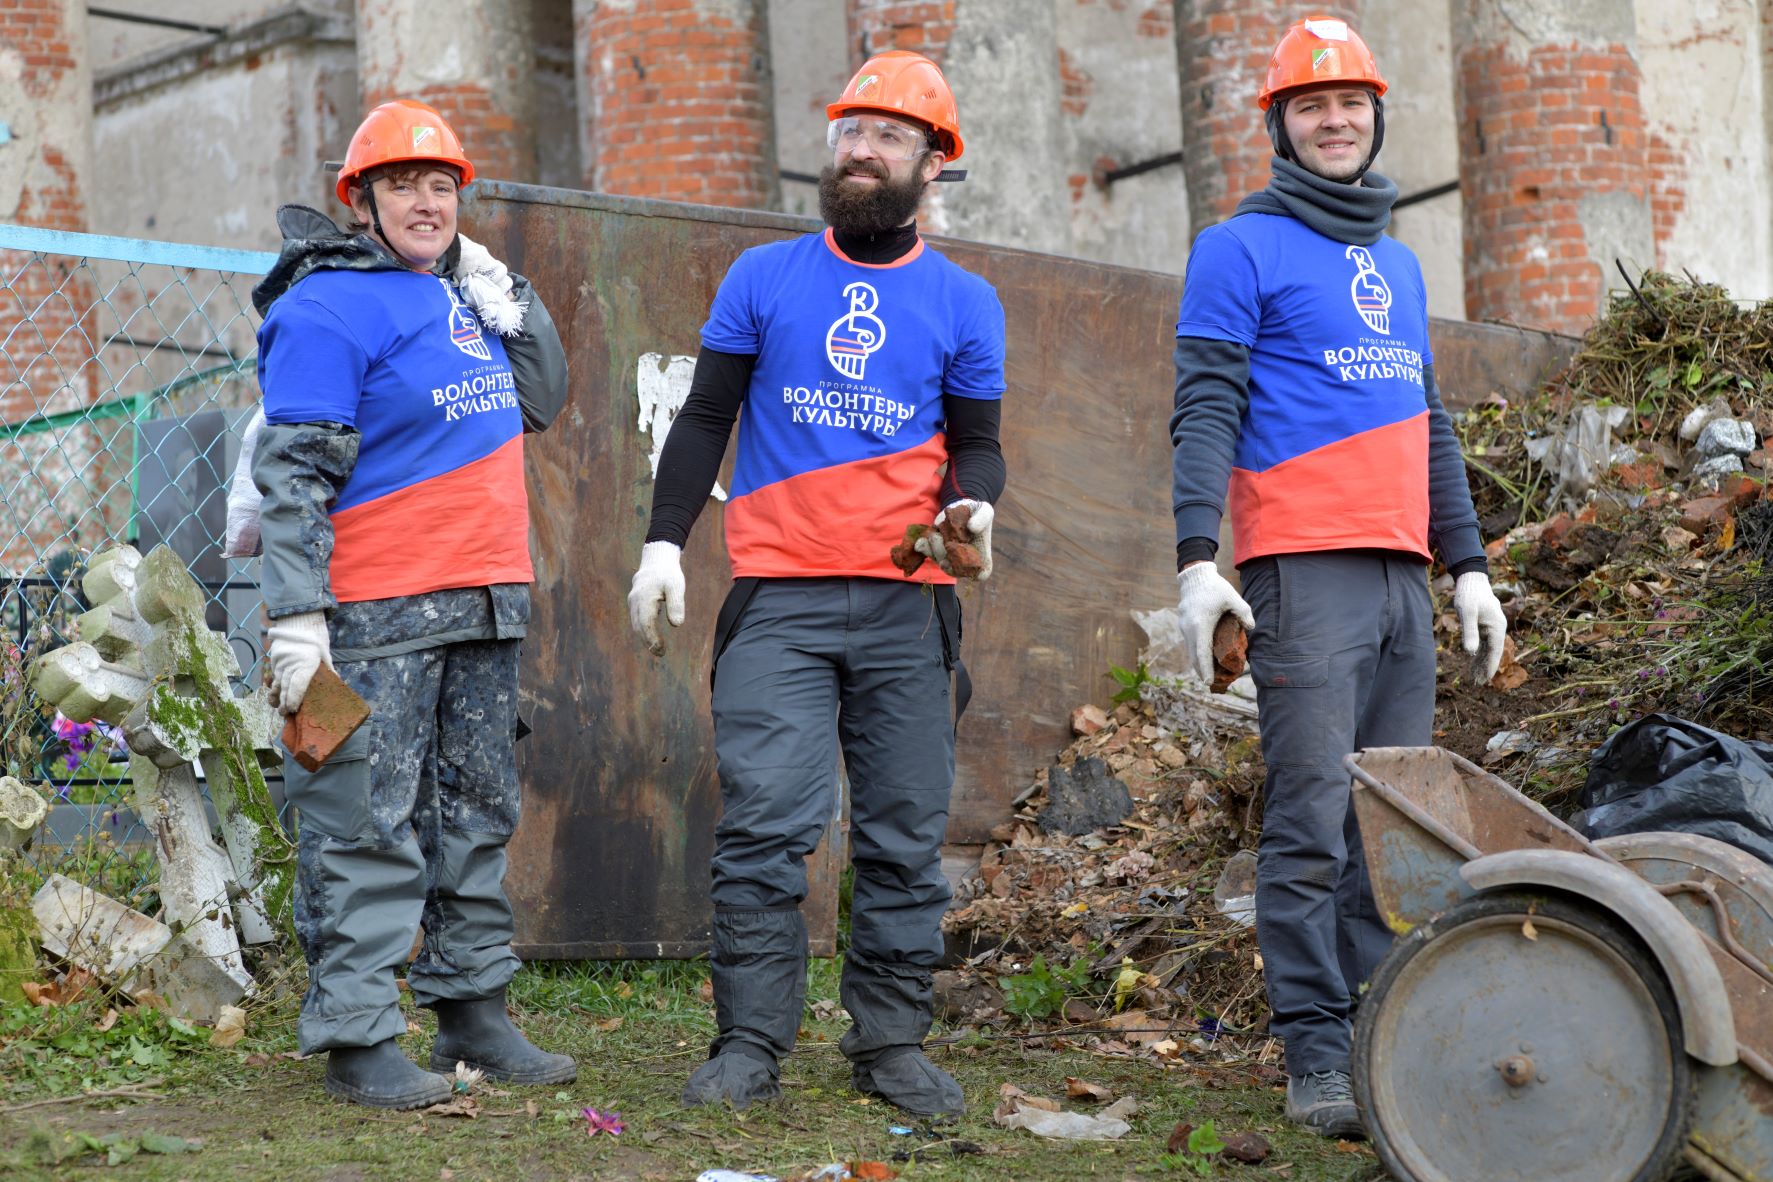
[[1343, 659], [811, 664], [407, 823]]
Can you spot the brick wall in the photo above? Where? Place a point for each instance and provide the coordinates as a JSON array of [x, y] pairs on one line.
[[922, 26], [474, 61], [677, 95], [1222, 50], [45, 303], [1553, 159]]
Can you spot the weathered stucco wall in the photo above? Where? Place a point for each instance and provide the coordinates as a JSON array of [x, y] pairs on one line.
[[212, 143], [1702, 100], [1412, 40]]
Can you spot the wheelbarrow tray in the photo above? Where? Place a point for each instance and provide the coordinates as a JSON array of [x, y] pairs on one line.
[[1438, 831]]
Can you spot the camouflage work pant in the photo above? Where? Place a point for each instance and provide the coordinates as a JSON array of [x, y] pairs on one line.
[[407, 823]]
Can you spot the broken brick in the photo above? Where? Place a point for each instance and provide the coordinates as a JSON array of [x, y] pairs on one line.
[[1088, 719], [1230, 647], [329, 714], [1704, 513]]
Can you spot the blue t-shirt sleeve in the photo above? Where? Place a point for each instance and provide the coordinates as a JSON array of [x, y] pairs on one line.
[[311, 365], [1221, 297], [977, 368], [732, 322]]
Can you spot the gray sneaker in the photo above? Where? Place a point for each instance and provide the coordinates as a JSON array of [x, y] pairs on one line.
[[1323, 1102]]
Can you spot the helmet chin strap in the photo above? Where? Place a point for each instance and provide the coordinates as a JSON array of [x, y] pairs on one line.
[[1283, 146]]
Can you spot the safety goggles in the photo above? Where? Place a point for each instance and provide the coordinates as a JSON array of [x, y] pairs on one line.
[[890, 139]]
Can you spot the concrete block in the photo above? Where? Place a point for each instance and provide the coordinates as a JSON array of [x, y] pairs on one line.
[[130, 951]]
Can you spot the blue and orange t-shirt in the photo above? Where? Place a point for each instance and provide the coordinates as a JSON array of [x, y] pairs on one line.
[[437, 497], [1332, 453], [841, 436]]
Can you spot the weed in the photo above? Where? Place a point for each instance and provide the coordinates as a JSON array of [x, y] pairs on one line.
[[84, 1046], [1199, 1153], [1129, 681], [1043, 990]]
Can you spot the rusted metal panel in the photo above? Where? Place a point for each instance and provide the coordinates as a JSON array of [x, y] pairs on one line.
[[621, 796]]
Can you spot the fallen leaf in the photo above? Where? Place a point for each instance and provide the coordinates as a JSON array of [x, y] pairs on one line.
[[609, 1025], [624, 990], [413, 1027], [257, 1059], [871, 1171], [106, 1022], [1178, 1137], [147, 999], [706, 991], [1167, 1048], [36, 994], [1528, 930], [230, 1027], [455, 1106], [1083, 1089]]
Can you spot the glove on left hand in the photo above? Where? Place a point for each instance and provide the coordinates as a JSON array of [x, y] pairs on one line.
[[978, 525], [1482, 626]]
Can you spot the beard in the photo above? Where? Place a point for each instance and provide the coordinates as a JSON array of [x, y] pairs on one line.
[[866, 210]]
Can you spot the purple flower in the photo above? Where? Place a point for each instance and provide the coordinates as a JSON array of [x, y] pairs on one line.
[[1662, 670], [1612, 703], [602, 1122]]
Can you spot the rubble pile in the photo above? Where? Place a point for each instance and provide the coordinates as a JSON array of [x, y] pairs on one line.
[[1630, 546]]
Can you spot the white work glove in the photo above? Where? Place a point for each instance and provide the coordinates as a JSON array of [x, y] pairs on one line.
[[658, 582], [295, 648], [486, 285], [242, 537], [978, 525], [1482, 626], [1206, 595]]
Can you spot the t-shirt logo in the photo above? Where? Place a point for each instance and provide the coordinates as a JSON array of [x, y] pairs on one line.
[[856, 334], [464, 326], [1372, 295]]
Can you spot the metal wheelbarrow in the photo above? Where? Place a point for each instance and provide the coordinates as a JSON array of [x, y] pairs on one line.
[[1554, 1007]]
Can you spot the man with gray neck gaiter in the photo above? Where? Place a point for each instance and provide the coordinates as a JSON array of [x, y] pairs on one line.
[[1305, 396]]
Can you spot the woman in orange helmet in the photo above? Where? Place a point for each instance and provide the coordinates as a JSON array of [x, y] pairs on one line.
[[401, 365]]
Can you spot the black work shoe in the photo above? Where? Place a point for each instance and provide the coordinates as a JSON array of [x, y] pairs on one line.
[[733, 1078], [381, 1076], [477, 1031], [905, 1077], [1323, 1102]]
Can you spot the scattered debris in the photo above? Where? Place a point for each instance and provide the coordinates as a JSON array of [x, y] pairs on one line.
[[230, 1027], [464, 1077], [22, 809], [602, 1122], [1044, 1118], [1084, 798]]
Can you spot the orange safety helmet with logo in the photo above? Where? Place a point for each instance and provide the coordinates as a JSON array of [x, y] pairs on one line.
[[1319, 51], [905, 84], [399, 131]]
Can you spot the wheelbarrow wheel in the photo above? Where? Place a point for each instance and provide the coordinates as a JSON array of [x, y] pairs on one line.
[[1521, 1037]]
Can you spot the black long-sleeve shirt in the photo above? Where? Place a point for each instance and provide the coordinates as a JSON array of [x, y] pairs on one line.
[[693, 450]]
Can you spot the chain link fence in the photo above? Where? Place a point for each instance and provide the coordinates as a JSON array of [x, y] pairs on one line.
[[126, 378]]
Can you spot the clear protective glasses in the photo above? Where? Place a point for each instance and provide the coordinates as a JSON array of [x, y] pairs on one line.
[[890, 139]]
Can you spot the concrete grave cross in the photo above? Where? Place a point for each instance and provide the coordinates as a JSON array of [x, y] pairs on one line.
[[146, 659]]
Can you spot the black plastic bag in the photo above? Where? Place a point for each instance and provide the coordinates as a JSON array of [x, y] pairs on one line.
[[1665, 773]]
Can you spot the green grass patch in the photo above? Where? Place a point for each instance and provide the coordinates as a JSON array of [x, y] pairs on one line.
[[636, 1029]]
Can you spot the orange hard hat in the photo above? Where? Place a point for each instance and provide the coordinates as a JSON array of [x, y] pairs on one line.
[[399, 131], [1319, 51], [899, 82]]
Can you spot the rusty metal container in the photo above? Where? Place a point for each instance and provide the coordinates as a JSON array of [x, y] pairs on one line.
[[611, 858]]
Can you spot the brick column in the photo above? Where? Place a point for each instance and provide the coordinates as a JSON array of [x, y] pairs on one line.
[[1554, 167], [1222, 52], [474, 60], [46, 340], [676, 96], [921, 26]]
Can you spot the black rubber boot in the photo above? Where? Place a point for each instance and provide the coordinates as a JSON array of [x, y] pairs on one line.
[[478, 1032], [890, 1005], [381, 1076]]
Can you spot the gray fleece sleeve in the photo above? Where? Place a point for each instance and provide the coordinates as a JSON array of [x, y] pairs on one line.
[[299, 469], [538, 361], [1452, 520], [1212, 394]]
